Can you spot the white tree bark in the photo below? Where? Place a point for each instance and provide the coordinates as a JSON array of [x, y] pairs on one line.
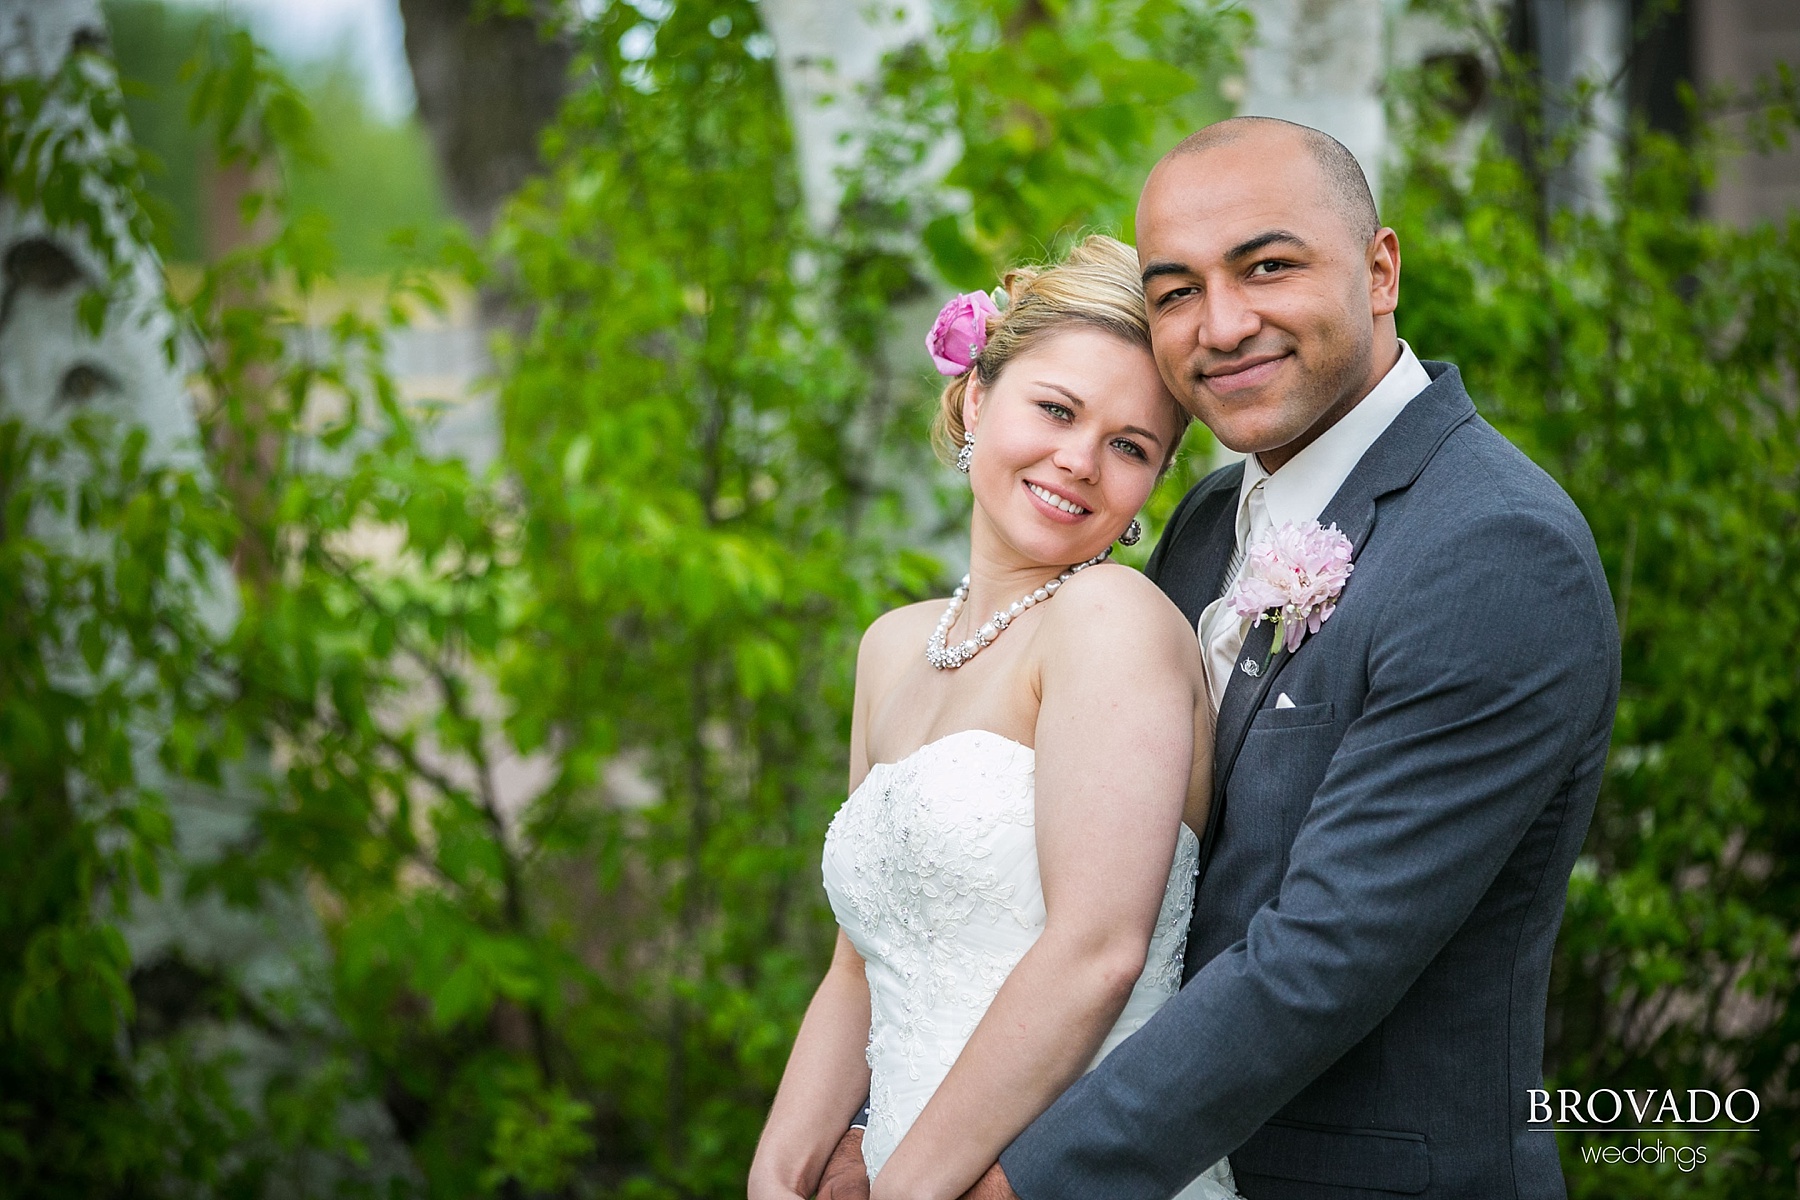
[[51, 370], [49, 367], [826, 53]]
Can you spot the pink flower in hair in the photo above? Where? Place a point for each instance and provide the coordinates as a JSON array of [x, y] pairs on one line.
[[960, 332], [1294, 576]]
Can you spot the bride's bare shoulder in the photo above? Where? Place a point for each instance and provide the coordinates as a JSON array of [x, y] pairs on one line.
[[1115, 605], [897, 635]]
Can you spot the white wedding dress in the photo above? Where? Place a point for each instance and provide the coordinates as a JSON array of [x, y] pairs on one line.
[[931, 868]]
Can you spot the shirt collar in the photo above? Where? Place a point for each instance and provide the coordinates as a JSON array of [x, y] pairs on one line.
[[1305, 484]]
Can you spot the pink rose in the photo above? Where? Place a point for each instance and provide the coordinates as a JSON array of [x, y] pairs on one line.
[[1294, 575], [960, 332]]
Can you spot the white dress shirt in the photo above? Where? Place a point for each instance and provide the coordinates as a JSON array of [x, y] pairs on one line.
[[1298, 493]]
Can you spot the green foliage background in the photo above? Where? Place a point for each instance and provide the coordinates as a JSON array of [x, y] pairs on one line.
[[370, 182], [713, 476]]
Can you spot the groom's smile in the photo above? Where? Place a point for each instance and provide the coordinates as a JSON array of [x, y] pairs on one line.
[[1269, 287], [1243, 374]]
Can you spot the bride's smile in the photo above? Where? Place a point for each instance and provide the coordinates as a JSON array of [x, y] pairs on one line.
[[1056, 500]]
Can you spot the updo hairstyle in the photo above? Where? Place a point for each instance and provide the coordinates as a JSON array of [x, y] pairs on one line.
[[1096, 286]]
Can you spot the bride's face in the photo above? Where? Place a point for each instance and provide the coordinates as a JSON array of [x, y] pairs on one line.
[[1068, 443]]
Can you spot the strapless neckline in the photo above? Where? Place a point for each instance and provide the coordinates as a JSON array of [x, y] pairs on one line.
[[937, 742]]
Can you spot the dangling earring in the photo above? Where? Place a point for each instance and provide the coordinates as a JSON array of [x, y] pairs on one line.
[[966, 455], [1134, 533]]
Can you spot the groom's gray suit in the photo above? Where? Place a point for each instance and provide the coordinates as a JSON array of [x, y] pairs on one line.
[[1385, 869]]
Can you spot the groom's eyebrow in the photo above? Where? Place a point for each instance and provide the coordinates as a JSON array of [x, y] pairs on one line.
[[1156, 269], [1237, 254], [1262, 241]]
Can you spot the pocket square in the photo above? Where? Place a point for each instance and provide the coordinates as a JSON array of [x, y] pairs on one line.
[[1282, 701]]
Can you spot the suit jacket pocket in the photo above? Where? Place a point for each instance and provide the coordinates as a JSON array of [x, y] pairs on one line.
[[1389, 1160], [1301, 715]]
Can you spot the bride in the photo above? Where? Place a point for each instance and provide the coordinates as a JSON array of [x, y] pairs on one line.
[[1013, 870]]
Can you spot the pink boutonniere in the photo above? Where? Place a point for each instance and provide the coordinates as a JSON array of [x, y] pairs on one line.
[[1293, 577]]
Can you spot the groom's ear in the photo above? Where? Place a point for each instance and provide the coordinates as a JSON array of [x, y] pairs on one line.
[[1384, 272]]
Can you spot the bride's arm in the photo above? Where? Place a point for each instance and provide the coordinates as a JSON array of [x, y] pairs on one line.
[[823, 1086], [1115, 743], [827, 1075]]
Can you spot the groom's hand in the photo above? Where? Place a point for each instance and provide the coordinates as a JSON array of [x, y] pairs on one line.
[[992, 1186], [845, 1177]]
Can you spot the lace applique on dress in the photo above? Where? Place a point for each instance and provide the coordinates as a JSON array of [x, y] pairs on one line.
[[931, 869]]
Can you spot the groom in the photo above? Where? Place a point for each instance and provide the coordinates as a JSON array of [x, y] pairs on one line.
[[1399, 802]]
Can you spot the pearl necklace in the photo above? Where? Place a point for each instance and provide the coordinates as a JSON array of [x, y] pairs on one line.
[[948, 659]]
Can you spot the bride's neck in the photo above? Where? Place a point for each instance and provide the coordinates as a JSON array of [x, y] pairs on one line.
[[999, 575]]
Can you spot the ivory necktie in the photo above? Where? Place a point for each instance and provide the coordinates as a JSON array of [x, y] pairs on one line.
[[1221, 631]]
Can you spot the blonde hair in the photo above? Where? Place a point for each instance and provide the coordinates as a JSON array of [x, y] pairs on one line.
[[1096, 286]]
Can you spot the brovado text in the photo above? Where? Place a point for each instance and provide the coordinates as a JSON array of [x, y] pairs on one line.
[[1644, 1106]]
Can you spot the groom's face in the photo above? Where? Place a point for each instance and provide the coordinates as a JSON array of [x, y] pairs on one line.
[[1263, 299]]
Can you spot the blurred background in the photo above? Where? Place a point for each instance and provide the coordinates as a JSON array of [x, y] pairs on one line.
[[449, 450]]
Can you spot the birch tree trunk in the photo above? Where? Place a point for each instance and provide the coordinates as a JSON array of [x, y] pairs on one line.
[[52, 369], [49, 367], [828, 59], [827, 52]]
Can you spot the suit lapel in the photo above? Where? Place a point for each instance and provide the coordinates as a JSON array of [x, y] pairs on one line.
[[1391, 464], [1242, 697]]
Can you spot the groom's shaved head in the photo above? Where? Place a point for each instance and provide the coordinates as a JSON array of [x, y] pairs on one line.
[[1346, 186]]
